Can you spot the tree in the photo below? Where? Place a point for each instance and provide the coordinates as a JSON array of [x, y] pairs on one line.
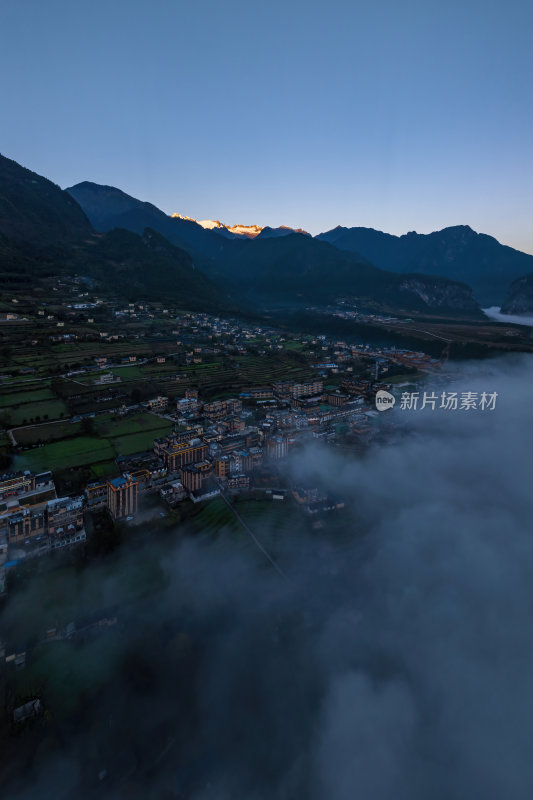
[[87, 426], [5, 460]]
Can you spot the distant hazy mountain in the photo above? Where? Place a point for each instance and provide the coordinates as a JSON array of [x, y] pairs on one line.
[[296, 268], [43, 231], [231, 231], [243, 231], [283, 230], [217, 226], [249, 231], [458, 253], [268, 264], [108, 208], [519, 299]]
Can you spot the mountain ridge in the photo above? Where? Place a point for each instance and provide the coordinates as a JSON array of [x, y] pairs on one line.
[[519, 298], [241, 231], [277, 263], [44, 231], [456, 252]]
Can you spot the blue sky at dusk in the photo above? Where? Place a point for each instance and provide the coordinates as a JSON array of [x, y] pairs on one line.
[[399, 116]]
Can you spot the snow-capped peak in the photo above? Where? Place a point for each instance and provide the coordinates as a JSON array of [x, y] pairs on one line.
[[181, 216], [245, 230], [205, 223], [250, 231], [211, 223], [241, 231]]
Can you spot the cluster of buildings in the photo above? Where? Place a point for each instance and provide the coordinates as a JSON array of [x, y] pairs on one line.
[[205, 454], [223, 443], [31, 513], [314, 500], [215, 443]]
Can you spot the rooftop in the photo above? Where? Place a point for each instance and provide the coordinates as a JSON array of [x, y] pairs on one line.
[[124, 480]]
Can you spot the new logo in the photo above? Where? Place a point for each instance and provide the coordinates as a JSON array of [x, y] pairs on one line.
[[384, 400]]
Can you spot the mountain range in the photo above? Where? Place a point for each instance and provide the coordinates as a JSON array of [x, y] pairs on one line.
[[44, 231], [457, 252], [241, 231], [248, 231], [131, 246], [278, 265]]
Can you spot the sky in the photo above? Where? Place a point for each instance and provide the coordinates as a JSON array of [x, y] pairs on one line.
[[398, 116]]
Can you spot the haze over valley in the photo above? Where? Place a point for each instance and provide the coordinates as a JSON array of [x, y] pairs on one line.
[[266, 356]]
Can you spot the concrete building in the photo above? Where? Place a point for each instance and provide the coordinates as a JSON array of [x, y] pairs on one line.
[[222, 466], [194, 477], [238, 482], [277, 446], [65, 521], [25, 523], [250, 459], [306, 402], [257, 393], [15, 483], [222, 408], [337, 398], [19, 484], [186, 404], [122, 496], [298, 389], [158, 403], [178, 454], [96, 494], [107, 377]]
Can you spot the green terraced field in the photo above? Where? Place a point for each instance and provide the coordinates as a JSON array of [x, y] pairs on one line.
[[31, 396], [52, 432], [122, 436], [124, 426], [105, 469], [24, 414], [213, 516], [136, 442], [69, 453], [128, 373]]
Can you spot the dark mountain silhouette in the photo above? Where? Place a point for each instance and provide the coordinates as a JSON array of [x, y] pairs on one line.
[[33, 209], [519, 299], [283, 230], [277, 264], [138, 250], [39, 225], [148, 265], [299, 268], [43, 231], [458, 253], [108, 208]]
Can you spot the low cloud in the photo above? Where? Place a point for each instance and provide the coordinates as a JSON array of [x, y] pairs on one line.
[[393, 662]]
